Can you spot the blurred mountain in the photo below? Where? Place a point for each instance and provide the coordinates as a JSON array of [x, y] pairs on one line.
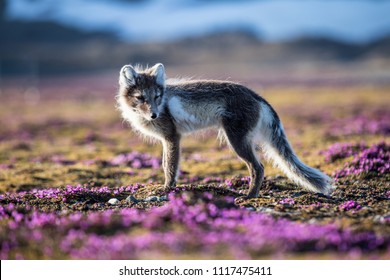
[[167, 20], [2, 9], [47, 48]]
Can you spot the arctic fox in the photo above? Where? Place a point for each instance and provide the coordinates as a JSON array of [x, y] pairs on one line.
[[167, 109]]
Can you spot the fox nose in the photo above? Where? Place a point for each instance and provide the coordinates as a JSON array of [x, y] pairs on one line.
[[153, 116]]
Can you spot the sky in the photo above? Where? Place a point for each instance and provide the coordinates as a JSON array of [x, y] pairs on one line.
[[356, 21]]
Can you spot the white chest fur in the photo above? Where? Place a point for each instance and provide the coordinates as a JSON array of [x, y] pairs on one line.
[[138, 123]]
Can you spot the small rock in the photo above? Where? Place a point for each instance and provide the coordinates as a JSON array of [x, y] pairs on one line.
[[113, 201], [251, 209], [382, 218], [163, 198], [378, 219], [266, 210], [152, 199], [132, 199]]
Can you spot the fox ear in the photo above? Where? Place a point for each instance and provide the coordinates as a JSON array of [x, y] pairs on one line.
[[159, 72], [129, 73]]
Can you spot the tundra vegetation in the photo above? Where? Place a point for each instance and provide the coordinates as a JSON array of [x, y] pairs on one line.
[[76, 183]]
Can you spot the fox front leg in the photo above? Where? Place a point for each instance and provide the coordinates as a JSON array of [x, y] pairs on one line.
[[170, 161]]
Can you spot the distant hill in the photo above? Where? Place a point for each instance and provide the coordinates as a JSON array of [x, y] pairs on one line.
[[22, 32], [164, 21], [47, 48]]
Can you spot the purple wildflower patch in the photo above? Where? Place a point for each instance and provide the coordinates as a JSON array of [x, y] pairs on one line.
[[358, 125], [191, 222], [372, 159], [288, 201], [342, 150], [71, 193], [6, 166], [349, 205], [237, 182], [136, 160]]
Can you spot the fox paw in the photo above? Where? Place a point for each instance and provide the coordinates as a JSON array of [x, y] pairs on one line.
[[167, 189]]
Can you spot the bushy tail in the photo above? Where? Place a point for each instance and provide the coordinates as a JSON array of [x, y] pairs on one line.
[[279, 150]]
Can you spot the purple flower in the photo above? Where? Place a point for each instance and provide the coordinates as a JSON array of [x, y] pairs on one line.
[[342, 150], [288, 201], [365, 159], [358, 125], [191, 222], [349, 205], [6, 166], [136, 160]]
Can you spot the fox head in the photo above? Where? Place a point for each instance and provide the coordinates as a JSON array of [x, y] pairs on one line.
[[142, 90]]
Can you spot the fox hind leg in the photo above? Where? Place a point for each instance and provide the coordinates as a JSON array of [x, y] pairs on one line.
[[245, 149]]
